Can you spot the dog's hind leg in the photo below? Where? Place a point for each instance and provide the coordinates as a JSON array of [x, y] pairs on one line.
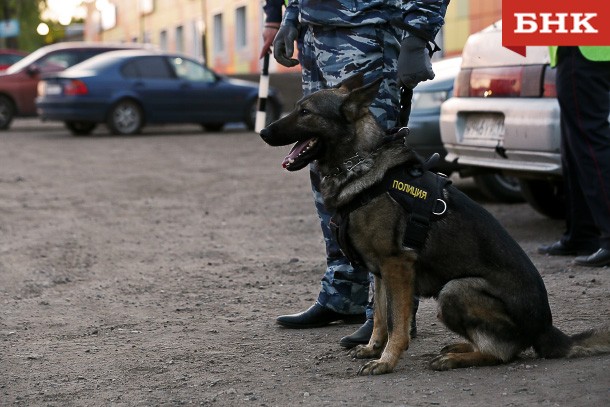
[[397, 278], [458, 348], [467, 307], [456, 360]]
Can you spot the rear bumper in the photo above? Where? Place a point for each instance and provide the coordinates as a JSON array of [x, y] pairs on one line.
[[87, 111], [529, 141]]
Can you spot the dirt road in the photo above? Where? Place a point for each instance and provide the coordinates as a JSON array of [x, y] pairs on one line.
[[149, 271]]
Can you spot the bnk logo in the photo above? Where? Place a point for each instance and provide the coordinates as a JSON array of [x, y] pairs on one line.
[[554, 22]]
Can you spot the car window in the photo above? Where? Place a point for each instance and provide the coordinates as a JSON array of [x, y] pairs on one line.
[[62, 59], [148, 67], [9, 59], [86, 54], [190, 70]]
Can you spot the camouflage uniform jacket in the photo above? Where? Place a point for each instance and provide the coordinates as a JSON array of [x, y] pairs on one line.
[[421, 17]]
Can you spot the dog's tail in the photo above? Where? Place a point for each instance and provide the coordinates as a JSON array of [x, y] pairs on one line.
[[555, 344]]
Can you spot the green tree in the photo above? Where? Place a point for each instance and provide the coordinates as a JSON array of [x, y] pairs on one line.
[[27, 12]]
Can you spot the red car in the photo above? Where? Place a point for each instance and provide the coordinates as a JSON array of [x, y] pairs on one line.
[[9, 56], [19, 81]]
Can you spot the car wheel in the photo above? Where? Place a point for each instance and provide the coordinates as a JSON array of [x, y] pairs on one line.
[[7, 112], [499, 187], [546, 197], [125, 118], [272, 113], [80, 128], [212, 126]]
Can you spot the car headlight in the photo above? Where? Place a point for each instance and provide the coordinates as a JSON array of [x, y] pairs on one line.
[[429, 100]]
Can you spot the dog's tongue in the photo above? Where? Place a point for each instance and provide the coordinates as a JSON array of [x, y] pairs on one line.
[[296, 150]]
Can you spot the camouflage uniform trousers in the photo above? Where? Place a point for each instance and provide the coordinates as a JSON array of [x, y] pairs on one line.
[[329, 55]]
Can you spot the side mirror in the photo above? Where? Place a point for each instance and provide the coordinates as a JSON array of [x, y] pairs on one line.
[[32, 70]]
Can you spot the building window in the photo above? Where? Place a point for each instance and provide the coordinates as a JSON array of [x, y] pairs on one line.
[[163, 40], [179, 39], [196, 47], [219, 41], [240, 27]]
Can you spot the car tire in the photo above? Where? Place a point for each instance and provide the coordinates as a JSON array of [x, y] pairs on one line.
[[7, 112], [499, 187], [79, 128], [546, 197], [272, 113], [213, 127], [125, 118]]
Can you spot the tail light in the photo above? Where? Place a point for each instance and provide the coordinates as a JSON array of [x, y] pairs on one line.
[[461, 85], [75, 87], [506, 81], [550, 88]]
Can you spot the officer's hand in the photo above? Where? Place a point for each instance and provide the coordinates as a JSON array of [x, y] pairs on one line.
[[268, 35], [414, 63], [283, 45]]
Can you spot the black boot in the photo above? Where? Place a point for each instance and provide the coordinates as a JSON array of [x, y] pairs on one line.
[[361, 336], [317, 316], [600, 258]]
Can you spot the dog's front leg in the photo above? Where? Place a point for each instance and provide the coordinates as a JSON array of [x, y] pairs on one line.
[[397, 279], [380, 330]]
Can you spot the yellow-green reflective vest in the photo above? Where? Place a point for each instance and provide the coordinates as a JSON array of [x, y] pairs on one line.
[[598, 53]]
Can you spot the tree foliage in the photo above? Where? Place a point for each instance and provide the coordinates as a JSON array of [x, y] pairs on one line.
[[28, 13]]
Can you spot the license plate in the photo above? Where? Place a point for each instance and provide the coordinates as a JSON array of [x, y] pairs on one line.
[[52, 89], [489, 126]]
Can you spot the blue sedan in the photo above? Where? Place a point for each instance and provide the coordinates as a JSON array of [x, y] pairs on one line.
[[127, 90]]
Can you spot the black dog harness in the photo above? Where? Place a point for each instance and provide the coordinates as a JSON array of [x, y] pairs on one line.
[[418, 191]]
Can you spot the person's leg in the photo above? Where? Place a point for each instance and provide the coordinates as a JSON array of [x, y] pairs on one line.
[[585, 106], [341, 53], [582, 92], [344, 289]]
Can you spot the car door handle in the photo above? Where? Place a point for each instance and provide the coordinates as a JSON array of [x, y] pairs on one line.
[[138, 84]]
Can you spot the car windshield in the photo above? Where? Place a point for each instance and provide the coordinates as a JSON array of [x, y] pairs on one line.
[[28, 60]]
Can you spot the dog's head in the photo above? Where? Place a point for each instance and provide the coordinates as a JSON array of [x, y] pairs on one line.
[[323, 121]]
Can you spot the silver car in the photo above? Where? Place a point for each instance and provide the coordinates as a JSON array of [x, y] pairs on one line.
[[504, 118]]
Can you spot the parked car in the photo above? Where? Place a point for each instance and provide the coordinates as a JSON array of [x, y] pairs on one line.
[[425, 136], [18, 83], [9, 56], [127, 90], [504, 118]]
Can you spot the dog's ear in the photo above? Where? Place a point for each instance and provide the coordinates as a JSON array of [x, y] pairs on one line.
[[358, 100], [353, 82]]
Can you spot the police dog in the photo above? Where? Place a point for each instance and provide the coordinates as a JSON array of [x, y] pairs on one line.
[[487, 289]]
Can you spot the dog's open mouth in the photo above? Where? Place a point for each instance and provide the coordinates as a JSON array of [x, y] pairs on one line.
[[301, 154]]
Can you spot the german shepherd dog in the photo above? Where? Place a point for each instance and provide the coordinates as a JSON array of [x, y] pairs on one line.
[[488, 290]]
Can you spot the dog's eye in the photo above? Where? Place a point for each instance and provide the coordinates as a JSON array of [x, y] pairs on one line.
[[304, 112]]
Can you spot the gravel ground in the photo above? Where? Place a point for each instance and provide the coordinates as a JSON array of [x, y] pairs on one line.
[[149, 271]]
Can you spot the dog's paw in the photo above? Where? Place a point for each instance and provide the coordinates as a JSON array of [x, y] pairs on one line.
[[375, 367], [364, 352], [442, 362]]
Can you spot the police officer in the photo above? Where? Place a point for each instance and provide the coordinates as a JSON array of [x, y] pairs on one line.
[[391, 39], [583, 87]]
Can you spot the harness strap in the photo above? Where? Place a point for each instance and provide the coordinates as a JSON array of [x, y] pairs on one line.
[[422, 211]]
